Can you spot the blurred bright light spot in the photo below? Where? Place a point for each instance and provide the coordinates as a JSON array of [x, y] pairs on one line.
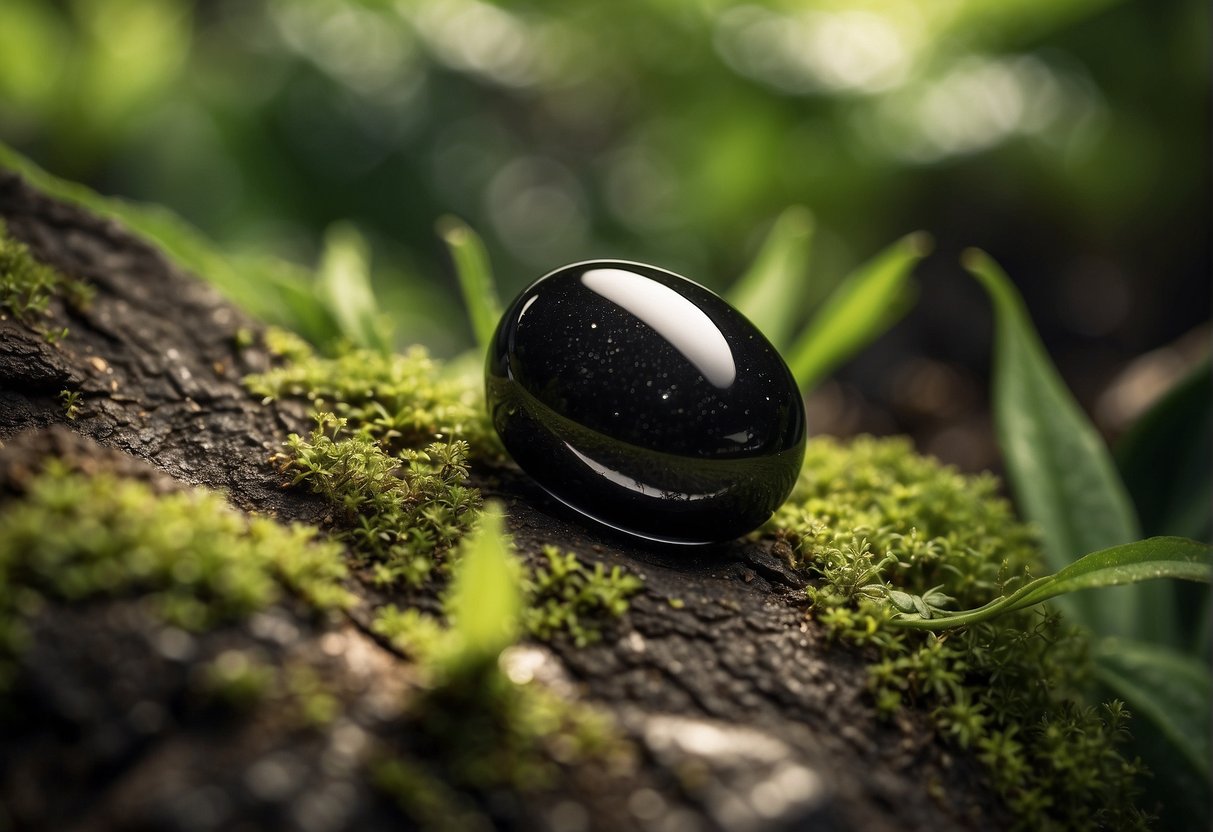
[[978, 103], [369, 51], [479, 38], [29, 33], [816, 51], [641, 189], [537, 209], [464, 156], [136, 49]]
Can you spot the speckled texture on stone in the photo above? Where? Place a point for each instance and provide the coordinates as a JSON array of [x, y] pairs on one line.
[[646, 402]]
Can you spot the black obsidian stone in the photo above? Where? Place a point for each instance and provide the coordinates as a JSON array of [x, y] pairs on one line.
[[645, 402]]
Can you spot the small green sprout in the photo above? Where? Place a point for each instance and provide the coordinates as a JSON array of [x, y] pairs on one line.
[[71, 403], [477, 726]]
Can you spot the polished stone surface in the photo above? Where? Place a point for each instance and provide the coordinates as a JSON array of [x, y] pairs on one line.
[[645, 402]]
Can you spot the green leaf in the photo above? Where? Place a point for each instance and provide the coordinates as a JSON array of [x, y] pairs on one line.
[[865, 304], [475, 278], [1169, 689], [1145, 560], [1059, 468], [343, 283], [485, 603], [1164, 459], [772, 291], [1169, 695], [1157, 557]]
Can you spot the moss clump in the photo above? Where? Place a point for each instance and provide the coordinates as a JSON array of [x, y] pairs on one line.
[[399, 401], [402, 509], [879, 525], [27, 286], [567, 597], [73, 537], [390, 449]]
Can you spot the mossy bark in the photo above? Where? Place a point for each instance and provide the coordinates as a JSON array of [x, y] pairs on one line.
[[743, 715]]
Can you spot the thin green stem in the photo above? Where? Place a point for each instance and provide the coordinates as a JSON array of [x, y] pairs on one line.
[[1005, 603]]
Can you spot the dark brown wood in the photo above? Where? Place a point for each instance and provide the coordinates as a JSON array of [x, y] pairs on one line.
[[743, 716]]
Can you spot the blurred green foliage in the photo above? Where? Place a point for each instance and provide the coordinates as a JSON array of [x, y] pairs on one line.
[[673, 132]]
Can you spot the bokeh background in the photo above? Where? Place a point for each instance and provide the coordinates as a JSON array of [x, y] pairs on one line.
[[1069, 138]]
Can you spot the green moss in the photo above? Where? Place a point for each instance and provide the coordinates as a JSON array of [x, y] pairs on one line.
[[390, 449], [27, 286], [402, 509], [398, 401], [567, 597], [73, 537], [877, 525]]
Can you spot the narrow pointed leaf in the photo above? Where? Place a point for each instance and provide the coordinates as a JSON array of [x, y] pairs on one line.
[[1145, 560], [475, 278], [865, 304], [344, 284], [1060, 470], [772, 292], [1157, 557], [485, 603]]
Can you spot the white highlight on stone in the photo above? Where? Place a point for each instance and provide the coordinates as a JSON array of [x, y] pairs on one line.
[[683, 324]]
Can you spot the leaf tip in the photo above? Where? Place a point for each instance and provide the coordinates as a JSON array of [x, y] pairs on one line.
[[920, 243], [974, 259], [451, 229], [799, 219]]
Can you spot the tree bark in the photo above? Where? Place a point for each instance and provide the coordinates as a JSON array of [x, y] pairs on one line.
[[743, 715]]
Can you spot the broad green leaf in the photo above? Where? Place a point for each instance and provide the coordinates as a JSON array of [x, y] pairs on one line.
[[1157, 557], [485, 603], [865, 304], [1060, 470], [772, 291], [343, 283], [1168, 694], [1164, 459], [1169, 689], [475, 278]]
